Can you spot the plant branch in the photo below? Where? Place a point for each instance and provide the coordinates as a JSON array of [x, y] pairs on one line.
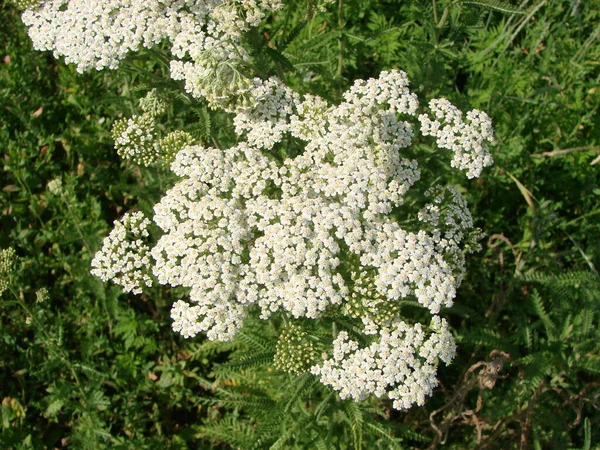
[[564, 151]]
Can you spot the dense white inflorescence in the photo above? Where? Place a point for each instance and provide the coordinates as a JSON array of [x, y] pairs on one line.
[[401, 364], [316, 230], [125, 255], [204, 36], [465, 139], [269, 118]]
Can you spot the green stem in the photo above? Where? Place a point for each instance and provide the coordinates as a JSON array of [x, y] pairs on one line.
[[340, 40], [25, 186], [280, 72], [444, 18], [439, 22], [77, 226], [215, 141]]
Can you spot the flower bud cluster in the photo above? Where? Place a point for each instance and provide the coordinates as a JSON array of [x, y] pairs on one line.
[[365, 302], [315, 231], [42, 295], [136, 139], [124, 257], [7, 259], [217, 74], [3, 285], [172, 143], [295, 352], [25, 4]]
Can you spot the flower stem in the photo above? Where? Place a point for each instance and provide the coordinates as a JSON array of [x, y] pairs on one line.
[[77, 226], [340, 40]]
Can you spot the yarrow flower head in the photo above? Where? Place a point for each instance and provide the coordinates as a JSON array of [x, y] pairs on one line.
[[124, 256], [315, 233], [400, 365], [466, 139], [267, 120], [204, 36], [55, 186]]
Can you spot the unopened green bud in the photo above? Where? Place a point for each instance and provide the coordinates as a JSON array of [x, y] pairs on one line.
[[7, 259], [172, 143], [366, 302], [295, 353], [25, 4]]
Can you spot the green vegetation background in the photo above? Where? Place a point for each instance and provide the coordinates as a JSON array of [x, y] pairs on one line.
[[84, 366]]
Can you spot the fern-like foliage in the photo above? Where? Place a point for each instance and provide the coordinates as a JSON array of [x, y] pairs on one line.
[[496, 5], [550, 356], [270, 409]]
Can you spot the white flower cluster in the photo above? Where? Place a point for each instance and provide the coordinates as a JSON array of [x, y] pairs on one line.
[[55, 186], [98, 34], [465, 139], [202, 250], [453, 232], [231, 18], [269, 118], [310, 230], [401, 365], [125, 256]]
